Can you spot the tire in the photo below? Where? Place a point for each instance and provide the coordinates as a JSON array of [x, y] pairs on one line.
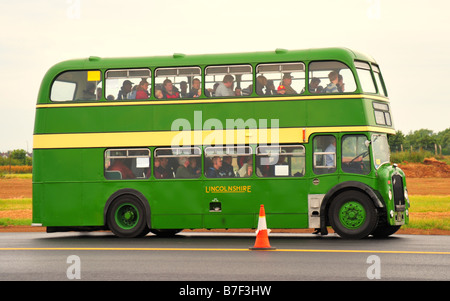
[[353, 215], [384, 230], [126, 217]]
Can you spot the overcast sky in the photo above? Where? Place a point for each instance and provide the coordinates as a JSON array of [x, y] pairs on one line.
[[409, 39]]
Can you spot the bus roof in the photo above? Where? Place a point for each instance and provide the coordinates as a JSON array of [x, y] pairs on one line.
[[178, 59]]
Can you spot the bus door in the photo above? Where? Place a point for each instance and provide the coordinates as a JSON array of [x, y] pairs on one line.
[[324, 175]]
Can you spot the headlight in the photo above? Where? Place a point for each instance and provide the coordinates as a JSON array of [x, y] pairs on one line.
[[390, 194], [406, 194]]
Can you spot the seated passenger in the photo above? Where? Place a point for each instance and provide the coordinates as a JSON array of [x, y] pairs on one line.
[[247, 169], [89, 93], [169, 91], [142, 90], [261, 82], [125, 89], [183, 171], [162, 170], [225, 87], [213, 171], [314, 85], [270, 88], [119, 165], [340, 84], [226, 170], [159, 94], [287, 81], [332, 87], [196, 91], [183, 89], [281, 90]]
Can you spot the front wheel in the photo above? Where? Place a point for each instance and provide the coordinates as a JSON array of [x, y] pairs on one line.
[[126, 217], [353, 215]]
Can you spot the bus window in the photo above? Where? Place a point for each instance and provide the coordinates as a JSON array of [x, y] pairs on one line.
[[121, 164], [180, 82], [324, 159], [382, 114], [228, 162], [228, 81], [177, 163], [379, 80], [365, 77], [280, 79], [125, 84], [280, 161], [77, 85], [355, 154], [330, 77]]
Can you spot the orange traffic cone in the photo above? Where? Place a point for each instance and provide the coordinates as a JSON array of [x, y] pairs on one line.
[[262, 237]]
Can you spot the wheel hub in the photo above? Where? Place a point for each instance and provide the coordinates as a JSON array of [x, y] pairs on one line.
[[352, 215]]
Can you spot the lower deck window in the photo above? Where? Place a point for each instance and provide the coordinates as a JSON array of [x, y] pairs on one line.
[[121, 164], [177, 163], [228, 162], [280, 161]]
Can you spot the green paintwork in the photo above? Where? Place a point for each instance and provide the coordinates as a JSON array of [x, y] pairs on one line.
[[69, 187]]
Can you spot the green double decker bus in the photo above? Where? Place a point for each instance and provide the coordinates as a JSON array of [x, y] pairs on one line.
[[167, 143]]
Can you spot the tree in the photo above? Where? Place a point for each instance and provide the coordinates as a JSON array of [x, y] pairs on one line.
[[397, 141]]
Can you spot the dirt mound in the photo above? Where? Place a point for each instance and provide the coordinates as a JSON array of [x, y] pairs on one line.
[[430, 168]]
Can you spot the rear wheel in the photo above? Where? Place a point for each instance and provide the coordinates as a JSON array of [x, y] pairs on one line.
[[126, 217], [353, 215]]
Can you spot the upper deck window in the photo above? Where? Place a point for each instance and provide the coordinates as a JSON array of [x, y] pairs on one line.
[[179, 82], [125, 84], [228, 81], [280, 79], [379, 80], [365, 77], [77, 85], [330, 77]]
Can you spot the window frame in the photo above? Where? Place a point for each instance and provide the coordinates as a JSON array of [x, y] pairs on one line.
[[368, 161], [309, 78], [331, 169], [200, 75], [77, 86], [205, 74], [258, 73], [127, 156], [259, 155], [139, 77]]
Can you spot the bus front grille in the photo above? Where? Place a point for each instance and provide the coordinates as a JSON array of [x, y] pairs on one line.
[[399, 195]]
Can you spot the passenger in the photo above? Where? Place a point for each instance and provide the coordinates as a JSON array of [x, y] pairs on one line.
[[119, 165], [162, 170], [340, 84], [281, 90], [247, 169], [196, 91], [247, 91], [132, 94], [226, 171], [126, 88], [159, 94], [183, 89], [238, 91], [110, 97], [329, 159], [213, 171], [169, 91], [99, 93], [193, 168], [142, 90], [261, 82], [225, 87], [287, 81], [89, 93], [183, 171], [332, 87], [314, 85], [270, 88]]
